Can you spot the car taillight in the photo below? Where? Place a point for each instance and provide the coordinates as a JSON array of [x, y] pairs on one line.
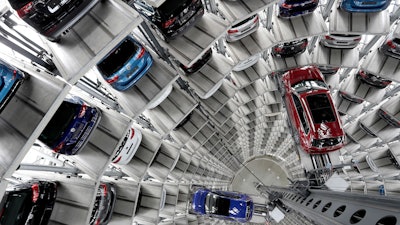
[[232, 31], [59, 147], [97, 222], [82, 112], [117, 160], [277, 49], [362, 73], [113, 80], [14, 74], [256, 19], [390, 44], [304, 44], [357, 39], [327, 37], [287, 6], [168, 22], [141, 53], [25, 9], [104, 189], [35, 192], [132, 133]]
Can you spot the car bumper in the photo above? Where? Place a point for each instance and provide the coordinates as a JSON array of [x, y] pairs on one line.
[[247, 63], [242, 33], [339, 44]]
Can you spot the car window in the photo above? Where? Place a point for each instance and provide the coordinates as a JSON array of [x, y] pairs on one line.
[[118, 58], [19, 3], [306, 85], [300, 111], [16, 209], [396, 40], [321, 109], [59, 123], [217, 205], [172, 7]]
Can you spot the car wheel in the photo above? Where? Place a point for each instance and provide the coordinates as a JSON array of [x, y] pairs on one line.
[[160, 34]]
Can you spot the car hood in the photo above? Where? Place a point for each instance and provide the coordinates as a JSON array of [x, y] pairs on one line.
[[199, 199]]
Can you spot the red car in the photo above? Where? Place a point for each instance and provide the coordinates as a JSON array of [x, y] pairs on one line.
[[311, 111]]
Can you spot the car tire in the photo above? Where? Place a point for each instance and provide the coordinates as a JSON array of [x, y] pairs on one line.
[[160, 34]]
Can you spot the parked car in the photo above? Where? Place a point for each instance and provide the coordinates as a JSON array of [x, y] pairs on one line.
[[104, 204], [350, 97], [336, 40], [389, 118], [188, 70], [247, 62], [52, 18], [364, 6], [222, 205], [128, 147], [289, 49], [328, 70], [372, 79], [70, 127], [28, 203], [391, 46], [10, 80], [367, 130], [243, 28], [171, 18], [123, 66], [311, 111], [293, 8]]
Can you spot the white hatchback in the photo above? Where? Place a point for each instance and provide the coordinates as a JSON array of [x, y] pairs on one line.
[[127, 147]]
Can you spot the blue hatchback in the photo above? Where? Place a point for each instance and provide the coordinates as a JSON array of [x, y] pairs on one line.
[[69, 129], [223, 205], [125, 64], [10, 80], [364, 6]]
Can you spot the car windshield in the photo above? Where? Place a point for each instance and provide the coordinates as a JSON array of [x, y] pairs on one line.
[[16, 209], [172, 7], [347, 35], [117, 59], [217, 205], [321, 109], [306, 85], [59, 123]]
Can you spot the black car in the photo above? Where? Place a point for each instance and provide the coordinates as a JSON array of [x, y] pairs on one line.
[[52, 17], [104, 204], [28, 203], [198, 64], [372, 79], [171, 18], [290, 49], [350, 97]]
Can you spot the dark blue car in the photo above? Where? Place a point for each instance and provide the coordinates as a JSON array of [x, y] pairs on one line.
[[70, 127], [364, 6], [10, 80], [223, 205], [125, 64]]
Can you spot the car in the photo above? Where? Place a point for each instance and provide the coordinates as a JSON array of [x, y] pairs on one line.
[[222, 204], [289, 49], [52, 18], [328, 70], [243, 28], [104, 204], [364, 6], [293, 8], [350, 97], [29, 202], [391, 46], [189, 70], [125, 64], [10, 80], [172, 18], [389, 118], [311, 111], [71, 126], [250, 61], [127, 147], [372, 79], [337, 40]]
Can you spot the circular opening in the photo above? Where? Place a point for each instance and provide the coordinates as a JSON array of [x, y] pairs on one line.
[[326, 207], [309, 201], [339, 211], [316, 204], [357, 216], [387, 220]]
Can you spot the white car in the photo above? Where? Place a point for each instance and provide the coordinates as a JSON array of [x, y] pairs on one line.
[[341, 40], [243, 28], [127, 147]]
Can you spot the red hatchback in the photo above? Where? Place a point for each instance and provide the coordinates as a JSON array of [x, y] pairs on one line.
[[311, 111]]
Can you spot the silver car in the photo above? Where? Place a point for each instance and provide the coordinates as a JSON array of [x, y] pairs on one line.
[[243, 28], [341, 40], [391, 46]]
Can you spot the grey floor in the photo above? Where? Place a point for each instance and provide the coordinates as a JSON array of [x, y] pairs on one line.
[[263, 170]]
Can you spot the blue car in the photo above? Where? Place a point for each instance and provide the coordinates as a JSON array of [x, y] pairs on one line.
[[70, 127], [294, 8], [223, 205], [10, 80], [364, 6], [125, 64]]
